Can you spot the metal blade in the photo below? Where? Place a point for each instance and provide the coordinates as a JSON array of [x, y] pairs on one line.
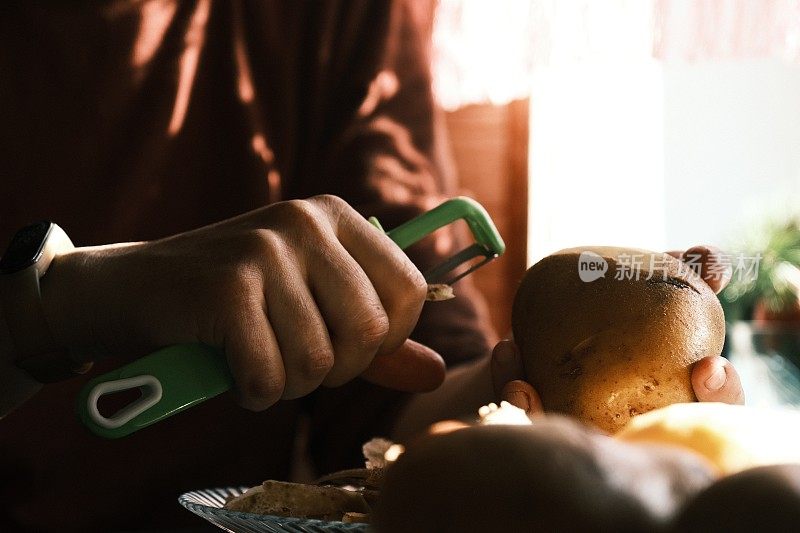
[[439, 272]]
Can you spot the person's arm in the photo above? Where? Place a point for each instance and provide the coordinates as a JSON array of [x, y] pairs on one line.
[[297, 294]]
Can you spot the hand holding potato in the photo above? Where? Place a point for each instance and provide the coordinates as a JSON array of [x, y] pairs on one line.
[[712, 377]]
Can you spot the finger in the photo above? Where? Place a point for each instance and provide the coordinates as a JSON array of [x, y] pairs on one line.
[[714, 379], [354, 315], [254, 359], [709, 263], [715, 268], [522, 394], [398, 283], [506, 365], [301, 333], [411, 368], [446, 426]]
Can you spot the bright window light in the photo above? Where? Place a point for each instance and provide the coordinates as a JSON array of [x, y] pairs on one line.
[[596, 157]]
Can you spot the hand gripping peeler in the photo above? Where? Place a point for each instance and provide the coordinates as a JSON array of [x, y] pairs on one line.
[[177, 377]]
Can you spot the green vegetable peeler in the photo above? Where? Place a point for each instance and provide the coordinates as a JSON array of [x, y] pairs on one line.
[[177, 377]]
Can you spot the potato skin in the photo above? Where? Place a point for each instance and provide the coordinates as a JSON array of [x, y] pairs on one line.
[[557, 475], [606, 350]]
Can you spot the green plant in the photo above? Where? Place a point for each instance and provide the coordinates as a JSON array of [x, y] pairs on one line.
[[776, 280]]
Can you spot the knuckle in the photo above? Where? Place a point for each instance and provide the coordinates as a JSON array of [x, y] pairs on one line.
[[297, 211], [334, 208], [259, 243], [413, 283], [317, 363], [411, 289], [260, 391], [332, 201], [371, 329], [240, 285], [304, 222]]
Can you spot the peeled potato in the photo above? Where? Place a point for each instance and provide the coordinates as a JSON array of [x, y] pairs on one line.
[[604, 350], [731, 437]]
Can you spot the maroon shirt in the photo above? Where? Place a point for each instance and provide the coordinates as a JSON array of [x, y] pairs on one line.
[[135, 120]]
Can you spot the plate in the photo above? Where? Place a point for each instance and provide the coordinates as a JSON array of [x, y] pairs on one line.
[[209, 504]]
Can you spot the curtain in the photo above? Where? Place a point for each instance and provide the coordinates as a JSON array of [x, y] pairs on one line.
[[488, 51]]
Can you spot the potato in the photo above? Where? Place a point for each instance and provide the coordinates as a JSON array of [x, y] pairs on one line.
[[731, 437], [606, 349], [761, 499], [556, 475]]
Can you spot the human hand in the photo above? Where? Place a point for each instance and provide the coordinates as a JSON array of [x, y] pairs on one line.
[[714, 379], [298, 294], [709, 263]]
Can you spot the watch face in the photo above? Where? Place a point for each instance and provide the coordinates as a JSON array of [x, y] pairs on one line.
[[25, 248]]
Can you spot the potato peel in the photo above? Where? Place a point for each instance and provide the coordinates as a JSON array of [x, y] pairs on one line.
[[439, 292]]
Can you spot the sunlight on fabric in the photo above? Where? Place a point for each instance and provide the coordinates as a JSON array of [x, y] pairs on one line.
[[154, 22]]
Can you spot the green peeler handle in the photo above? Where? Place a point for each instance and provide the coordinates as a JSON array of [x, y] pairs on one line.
[[177, 377], [171, 379]]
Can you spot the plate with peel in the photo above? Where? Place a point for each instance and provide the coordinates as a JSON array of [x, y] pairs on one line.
[[209, 504]]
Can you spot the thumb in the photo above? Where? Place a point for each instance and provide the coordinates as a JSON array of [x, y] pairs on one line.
[[411, 368], [522, 394], [714, 379], [506, 365]]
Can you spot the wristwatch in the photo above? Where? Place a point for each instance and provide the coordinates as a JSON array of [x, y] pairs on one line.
[[23, 264]]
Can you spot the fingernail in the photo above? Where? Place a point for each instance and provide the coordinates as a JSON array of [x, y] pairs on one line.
[[502, 354], [717, 379], [518, 399]]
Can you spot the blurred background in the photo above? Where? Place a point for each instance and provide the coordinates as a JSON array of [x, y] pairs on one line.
[[658, 124]]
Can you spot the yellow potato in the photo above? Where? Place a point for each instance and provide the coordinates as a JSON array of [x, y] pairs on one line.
[[731, 437], [606, 349]]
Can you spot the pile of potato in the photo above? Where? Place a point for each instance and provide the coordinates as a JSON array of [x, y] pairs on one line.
[[602, 351], [561, 475]]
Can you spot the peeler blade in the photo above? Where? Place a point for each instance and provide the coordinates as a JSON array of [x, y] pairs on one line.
[[439, 273], [488, 243]]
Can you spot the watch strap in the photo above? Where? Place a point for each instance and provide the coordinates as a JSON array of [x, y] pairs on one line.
[[22, 310], [35, 350]]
